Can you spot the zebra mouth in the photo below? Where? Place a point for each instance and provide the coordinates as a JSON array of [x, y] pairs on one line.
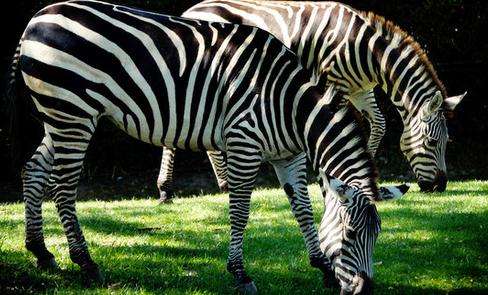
[[438, 185], [361, 285]]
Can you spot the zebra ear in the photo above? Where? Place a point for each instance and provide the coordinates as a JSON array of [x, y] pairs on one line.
[[451, 102], [432, 105], [391, 193], [338, 188]]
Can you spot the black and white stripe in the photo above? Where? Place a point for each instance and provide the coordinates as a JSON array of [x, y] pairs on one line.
[[178, 83], [349, 229], [358, 51]]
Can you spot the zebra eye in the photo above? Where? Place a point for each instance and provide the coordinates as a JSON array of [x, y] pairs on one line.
[[351, 234]]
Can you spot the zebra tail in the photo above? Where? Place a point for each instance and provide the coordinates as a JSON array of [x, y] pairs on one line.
[[12, 92], [13, 108]]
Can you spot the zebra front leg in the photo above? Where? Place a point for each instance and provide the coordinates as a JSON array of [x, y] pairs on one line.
[[217, 159], [165, 178], [69, 151], [365, 102], [35, 177], [292, 174], [243, 167]]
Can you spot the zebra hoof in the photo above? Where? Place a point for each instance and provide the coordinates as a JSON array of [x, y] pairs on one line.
[[48, 264], [247, 288], [165, 197], [92, 276]]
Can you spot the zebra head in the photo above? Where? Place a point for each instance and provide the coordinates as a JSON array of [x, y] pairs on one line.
[[349, 229], [424, 141]]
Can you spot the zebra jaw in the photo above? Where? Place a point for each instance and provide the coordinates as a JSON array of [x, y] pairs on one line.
[[346, 192]]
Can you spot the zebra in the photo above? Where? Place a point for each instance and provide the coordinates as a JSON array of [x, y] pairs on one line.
[[359, 50], [155, 77]]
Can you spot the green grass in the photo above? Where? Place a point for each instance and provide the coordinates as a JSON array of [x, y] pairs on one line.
[[430, 244]]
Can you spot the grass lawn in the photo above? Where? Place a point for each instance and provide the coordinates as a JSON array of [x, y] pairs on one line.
[[430, 244]]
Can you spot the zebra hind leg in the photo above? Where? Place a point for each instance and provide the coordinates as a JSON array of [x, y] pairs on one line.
[[378, 129], [217, 159], [365, 102], [35, 178], [376, 120], [69, 151], [165, 178], [241, 182]]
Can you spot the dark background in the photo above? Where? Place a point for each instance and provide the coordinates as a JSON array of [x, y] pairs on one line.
[[453, 32]]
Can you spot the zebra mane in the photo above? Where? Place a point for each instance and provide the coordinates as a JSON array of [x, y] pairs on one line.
[[391, 30]]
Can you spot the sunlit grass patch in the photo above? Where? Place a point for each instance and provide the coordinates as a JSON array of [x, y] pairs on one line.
[[429, 244]]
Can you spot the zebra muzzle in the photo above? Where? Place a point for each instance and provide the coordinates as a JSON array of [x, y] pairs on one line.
[[360, 285], [438, 185]]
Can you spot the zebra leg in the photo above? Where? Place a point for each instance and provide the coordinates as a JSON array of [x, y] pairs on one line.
[[35, 178], [165, 178], [292, 174], [377, 123], [243, 167], [365, 102], [70, 145], [217, 159]]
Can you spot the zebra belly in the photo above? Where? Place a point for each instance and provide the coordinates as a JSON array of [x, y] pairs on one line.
[[128, 126]]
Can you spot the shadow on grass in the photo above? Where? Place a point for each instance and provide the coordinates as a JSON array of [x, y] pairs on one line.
[[452, 249]]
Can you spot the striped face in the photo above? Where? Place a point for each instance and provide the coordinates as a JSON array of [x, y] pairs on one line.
[[424, 142], [425, 139], [349, 229]]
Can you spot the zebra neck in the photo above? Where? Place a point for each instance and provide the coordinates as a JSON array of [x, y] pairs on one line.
[[334, 142], [405, 73], [406, 82]]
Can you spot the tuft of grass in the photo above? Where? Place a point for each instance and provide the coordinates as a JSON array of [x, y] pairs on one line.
[[430, 244]]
